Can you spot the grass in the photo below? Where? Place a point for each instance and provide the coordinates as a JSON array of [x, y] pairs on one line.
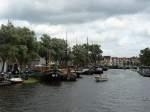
[[31, 81]]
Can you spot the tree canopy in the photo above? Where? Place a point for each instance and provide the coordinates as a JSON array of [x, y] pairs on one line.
[[19, 45], [145, 57], [86, 54], [52, 48]]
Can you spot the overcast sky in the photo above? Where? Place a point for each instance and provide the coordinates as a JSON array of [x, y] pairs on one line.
[[122, 27]]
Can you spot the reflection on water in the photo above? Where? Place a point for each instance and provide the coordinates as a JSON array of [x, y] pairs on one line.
[[126, 91]]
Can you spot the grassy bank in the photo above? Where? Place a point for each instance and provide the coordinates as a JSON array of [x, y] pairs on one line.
[[31, 81]]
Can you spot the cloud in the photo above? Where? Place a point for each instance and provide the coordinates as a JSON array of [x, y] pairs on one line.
[[63, 12], [120, 26]]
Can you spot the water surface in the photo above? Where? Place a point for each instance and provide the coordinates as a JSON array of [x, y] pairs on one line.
[[126, 91]]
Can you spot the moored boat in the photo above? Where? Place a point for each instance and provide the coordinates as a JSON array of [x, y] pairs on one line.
[[78, 73], [105, 68], [92, 70], [43, 73], [144, 71], [17, 80], [101, 78], [68, 75], [52, 75]]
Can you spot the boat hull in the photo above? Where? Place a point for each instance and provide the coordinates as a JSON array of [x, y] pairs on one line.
[[16, 80], [144, 71], [99, 78]]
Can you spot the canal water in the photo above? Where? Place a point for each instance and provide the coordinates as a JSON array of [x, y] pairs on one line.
[[125, 91]]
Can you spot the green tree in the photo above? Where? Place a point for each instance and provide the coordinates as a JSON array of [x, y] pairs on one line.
[[45, 47], [17, 44], [58, 47], [79, 55], [145, 57], [27, 46], [86, 54], [7, 43], [53, 48], [6, 52], [95, 53]]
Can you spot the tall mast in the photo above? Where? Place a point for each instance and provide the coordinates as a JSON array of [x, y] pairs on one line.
[[93, 52], [87, 40], [76, 48], [66, 51], [87, 59], [76, 40]]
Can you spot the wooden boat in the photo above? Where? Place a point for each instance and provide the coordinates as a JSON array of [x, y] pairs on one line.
[[52, 75], [68, 75], [46, 75], [101, 78]]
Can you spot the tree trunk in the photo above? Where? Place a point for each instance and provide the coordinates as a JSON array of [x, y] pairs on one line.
[[46, 61], [21, 66], [3, 65]]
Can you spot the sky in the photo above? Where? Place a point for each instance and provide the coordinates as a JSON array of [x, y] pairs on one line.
[[121, 27]]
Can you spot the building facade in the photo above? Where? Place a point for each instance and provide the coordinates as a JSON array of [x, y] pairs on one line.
[[107, 61], [120, 61]]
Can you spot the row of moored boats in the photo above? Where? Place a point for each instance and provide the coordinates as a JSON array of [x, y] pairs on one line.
[[49, 75]]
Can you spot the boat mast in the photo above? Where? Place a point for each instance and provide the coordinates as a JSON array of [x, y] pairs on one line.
[[76, 41], [76, 48], [66, 52], [93, 54], [87, 59], [49, 58]]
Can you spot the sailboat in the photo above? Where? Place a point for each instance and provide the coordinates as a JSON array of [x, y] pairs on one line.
[[69, 74]]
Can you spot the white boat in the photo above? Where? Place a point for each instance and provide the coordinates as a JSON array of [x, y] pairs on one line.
[[101, 78], [16, 80]]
